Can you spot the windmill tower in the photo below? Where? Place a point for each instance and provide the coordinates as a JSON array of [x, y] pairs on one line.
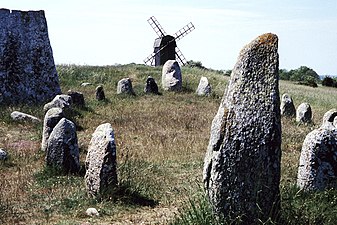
[[165, 47]]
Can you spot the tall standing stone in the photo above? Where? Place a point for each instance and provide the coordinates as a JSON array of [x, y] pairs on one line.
[[27, 69], [171, 76], [125, 86], [62, 147], [242, 163], [287, 106], [101, 161], [51, 119], [204, 87], [304, 113]]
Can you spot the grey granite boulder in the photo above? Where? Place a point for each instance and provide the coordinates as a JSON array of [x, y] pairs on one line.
[[62, 147], [287, 106], [3, 154], [318, 161], [242, 164], [27, 69], [51, 119], [304, 113], [60, 101], [24, 117], [330, 116], [171, 76], [77, 98], [204, 87], [151, 86], [100, 95], [100, 163], [125, 86]]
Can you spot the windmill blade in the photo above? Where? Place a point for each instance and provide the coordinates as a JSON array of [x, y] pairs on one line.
[[180, 57], [184, 31], [156, 26]]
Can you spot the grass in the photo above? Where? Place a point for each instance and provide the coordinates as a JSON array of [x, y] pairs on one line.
[[161, 142]]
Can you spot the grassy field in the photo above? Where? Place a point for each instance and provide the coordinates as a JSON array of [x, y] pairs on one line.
[[161, 142]]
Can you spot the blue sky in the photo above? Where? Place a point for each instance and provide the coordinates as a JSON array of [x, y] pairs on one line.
[[106, 32]]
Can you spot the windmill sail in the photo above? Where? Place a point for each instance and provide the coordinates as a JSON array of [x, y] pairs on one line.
[[184, 31], [156, 26]]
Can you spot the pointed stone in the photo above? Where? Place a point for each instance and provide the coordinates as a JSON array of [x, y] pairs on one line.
[[204, 87], [171, 76], [287, 106]]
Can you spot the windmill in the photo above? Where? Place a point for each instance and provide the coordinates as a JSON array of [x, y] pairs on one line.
[[165, 47]]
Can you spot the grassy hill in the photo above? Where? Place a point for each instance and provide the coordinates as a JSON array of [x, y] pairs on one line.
[[161, 142]]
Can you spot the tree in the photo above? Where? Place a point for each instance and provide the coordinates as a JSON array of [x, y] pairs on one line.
[[329, 82], [304, 74]]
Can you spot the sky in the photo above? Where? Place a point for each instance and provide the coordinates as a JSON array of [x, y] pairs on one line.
[[109, 32]]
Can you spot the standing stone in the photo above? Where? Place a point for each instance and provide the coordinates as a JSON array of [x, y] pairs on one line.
[[330, 116], [242, 163], [77, 98], [151, 86], [100, 96], [51, 119], [101, 161], [23, 117], [62, 147], [3, 154], [318, 161], [303, 113], [171, 76], [204, 87], [27, 69], [60, 101], [287, 106], [125, 86]]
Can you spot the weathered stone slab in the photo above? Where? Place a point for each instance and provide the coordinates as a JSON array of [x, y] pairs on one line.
[[318, 161], [100, 95], [27, 69], [125, 86], [51, 119], [100, 162], [304, 113], [151, 86], [287, 106], [77, 98], [204, 87], [242, 164], [24, 117], [171, 76], [62, 147], [60, 101]]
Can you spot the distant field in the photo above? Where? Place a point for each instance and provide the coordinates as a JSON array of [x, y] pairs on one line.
[[161, 142]]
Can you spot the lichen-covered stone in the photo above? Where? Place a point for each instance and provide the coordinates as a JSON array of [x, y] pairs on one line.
[[100, 162], [171, 76], [51, 119], [62, 150], [24, 117], [151, 86], [318, 161], [204, 87], [287, 106], [330, 116], [60, 101], [27, 69], [125, 86], [100, 95], [304, 113], [242, 163]]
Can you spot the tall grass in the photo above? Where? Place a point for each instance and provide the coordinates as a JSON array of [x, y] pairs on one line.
[[161, 142]]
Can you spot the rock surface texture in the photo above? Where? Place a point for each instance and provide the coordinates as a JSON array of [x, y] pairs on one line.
[[62, 147], [100, 162], [125, 86], [287, 106], [23, 117], [204, 87], [318, 161], [151, 86], [60, 101], [27, 69], [242, 164], [171, 76], [304, 113], [51, 119]]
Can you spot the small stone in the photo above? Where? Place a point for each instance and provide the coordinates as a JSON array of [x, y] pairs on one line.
[[287, 106], [3, 154], [100, 96], [171, 76], [125, 86], [92, 212], [204, 87], [60, 101], [304, 113], [86, 84], [77, 98], [151, 86], [51, 119], [23, 117]]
